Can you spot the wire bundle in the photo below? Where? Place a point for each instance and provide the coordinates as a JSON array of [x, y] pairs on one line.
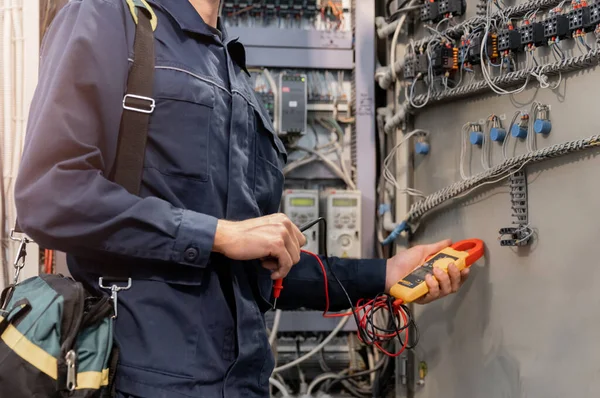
[[496, 174], [365, 311]]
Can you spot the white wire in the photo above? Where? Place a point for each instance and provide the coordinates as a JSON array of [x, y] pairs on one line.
[[387, 172], [464, 133], [336, 170], [320, 379], [279, 385], [276, 321], [318, 348], [395, 41]]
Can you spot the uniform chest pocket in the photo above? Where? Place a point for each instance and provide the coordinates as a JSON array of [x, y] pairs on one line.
[[270, 159], [179, 131]]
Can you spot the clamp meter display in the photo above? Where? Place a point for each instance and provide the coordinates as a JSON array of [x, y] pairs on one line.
[[462, 254], [302, 206]]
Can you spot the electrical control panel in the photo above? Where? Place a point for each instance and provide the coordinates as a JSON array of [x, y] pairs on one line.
[[343, 215], [292, 104], [302, 206], [430, 11], [509, 40], [533, 34], [556, 26]]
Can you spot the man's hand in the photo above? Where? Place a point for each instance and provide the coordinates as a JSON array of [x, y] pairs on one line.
[[406, 261], [274, 239]]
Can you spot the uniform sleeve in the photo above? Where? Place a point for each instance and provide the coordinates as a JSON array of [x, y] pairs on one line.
[[304, 285], [64, 199]]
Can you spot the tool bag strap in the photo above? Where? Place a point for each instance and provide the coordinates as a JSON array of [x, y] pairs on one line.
[[138, 103]]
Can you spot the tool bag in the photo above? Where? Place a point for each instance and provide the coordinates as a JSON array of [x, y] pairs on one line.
[[56, 339]]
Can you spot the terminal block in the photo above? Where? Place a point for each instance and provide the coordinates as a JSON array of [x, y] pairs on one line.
[[430, 11], [311, 9], [509, 40], [454, 7], [270, 8], [579, 19], [556, 26], [533, 34], [474, 47]]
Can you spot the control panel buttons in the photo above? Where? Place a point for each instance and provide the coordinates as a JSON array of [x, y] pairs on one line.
[[345, 240]]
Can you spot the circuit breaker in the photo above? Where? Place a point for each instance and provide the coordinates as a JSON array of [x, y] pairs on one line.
[[343, 215], [292, 104], [302, 206]]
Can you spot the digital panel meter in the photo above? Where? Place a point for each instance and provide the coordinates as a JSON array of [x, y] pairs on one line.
[[302, 206], [342, 211]]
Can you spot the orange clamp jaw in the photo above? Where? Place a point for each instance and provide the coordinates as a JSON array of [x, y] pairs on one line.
[[462, 254], [474, 248]]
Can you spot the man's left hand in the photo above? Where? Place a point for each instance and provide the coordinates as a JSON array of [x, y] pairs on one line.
[[439, 286]]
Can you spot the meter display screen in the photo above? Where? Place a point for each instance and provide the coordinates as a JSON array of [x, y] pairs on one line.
[[302, 202], [344, 202]]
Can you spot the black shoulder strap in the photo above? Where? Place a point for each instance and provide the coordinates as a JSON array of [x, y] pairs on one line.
[[138, 103]]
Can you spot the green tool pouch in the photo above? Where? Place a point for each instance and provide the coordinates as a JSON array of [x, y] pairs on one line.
[[56, 340]]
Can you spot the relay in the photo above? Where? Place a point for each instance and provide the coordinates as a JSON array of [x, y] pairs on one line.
[[533, 34], [556, 26], [509, 40], [410, 67], [454, 7], [430, 11], [595, 14], [474, 46], [579, 19], [444, 59]]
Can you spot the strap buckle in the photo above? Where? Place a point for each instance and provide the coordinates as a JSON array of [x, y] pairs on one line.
[[114, 290], [19, 261], [138, 103]]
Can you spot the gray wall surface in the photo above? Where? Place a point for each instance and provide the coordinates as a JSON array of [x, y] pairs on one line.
[[526, 323]]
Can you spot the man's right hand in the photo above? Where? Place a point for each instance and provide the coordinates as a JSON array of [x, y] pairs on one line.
[[274, 239]]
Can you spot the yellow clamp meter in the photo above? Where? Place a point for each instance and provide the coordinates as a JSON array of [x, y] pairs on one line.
[[462, 254]]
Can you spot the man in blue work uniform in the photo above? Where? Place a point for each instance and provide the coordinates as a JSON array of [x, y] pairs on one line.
[[192, 323]]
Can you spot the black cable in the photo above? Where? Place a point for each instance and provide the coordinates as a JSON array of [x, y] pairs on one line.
[[322, 220]]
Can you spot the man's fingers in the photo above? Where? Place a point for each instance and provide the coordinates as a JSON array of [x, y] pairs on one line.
[[270, 264], [455, 278], [433, 286], [292, 247], [299, 235], [443, 280], [285, 264]]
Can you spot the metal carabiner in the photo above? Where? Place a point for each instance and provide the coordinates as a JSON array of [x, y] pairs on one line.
[[19, 262]]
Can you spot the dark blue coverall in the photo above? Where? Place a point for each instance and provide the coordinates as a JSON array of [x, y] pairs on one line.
[[192, 324]]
